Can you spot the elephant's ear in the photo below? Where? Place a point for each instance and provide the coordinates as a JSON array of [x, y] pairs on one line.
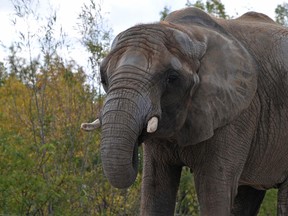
[[228, 81]]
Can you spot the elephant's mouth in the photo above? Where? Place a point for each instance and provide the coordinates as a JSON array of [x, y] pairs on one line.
[[161, 133], [143, 137], [166, 130]]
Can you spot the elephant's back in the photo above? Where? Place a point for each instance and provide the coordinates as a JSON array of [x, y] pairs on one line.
[[186, 14], [255, 17], [265, 40], [258, 33]]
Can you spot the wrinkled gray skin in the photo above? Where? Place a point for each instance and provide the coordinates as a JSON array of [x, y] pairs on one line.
[[220, 92]]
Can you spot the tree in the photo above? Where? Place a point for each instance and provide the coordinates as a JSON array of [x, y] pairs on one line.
[[281, 14], [214, 7], [164, 13], [3, 73], [198, 4], [48, 166], [187, 202], [96, 38]]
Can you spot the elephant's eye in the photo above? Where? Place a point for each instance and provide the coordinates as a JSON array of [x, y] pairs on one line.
[[172, 78]]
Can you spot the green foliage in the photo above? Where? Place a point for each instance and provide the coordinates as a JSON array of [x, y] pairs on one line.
[[164, 13], [269, 205], [3, 73], [96, 37], [48, 166], [187, 203], [281, 14], [214, 7]]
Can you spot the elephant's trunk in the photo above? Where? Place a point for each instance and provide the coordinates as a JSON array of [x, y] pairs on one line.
[[122, 122]]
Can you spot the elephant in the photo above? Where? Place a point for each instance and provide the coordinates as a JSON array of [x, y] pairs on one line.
[[201, 92]]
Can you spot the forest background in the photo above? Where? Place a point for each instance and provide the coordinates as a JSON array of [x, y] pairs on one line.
[[48, 166]]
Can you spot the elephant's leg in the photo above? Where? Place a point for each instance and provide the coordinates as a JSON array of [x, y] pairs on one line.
[[215, 196], [247, 201], [283, 199], [216, 176], [159, 185]]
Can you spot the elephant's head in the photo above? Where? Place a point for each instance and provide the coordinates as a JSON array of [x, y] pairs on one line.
[[169, 83]]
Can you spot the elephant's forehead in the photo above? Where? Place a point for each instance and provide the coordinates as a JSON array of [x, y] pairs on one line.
[[133, 58], [147, 63]]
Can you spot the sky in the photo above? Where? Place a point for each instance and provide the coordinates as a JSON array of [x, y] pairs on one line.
[[126, 13], [120, 15]]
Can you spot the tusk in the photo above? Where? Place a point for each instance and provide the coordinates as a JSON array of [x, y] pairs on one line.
[[152, 125], [91, 126]]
